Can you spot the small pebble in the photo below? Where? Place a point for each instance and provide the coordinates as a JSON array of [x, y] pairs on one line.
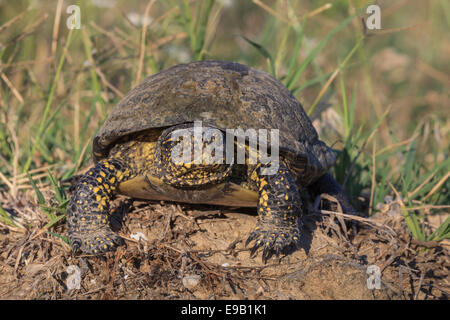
[[138, 236], [191, 281], [74, 279]]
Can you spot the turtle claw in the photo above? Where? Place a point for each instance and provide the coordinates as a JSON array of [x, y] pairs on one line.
[[76, 245], [272, 242], [250, 238], [277, 252], [254, 249], [267, 253]]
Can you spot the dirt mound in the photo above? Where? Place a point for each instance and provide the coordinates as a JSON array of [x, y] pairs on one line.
[[197, 252]]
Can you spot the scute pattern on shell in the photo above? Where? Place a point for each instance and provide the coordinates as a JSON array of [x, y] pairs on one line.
[[223, 94]]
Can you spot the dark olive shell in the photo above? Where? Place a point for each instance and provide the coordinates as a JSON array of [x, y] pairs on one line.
[[224, 94]]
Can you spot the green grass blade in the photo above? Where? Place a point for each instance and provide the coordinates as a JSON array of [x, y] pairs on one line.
[[54, 221], [345, 108], [63, 238], [282, 47], [41, 199], [202, 19], [40, 196], [310, 82], [94, 78], [421, 178], [316, 50], [442, 232], [6, 218], [351, 113], [59, 192], [293, 60], [412, 224], [264, 52], [48, 104], [338, 70]]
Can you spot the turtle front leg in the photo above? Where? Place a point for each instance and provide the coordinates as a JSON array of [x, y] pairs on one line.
[[279, 207], [88, 209]]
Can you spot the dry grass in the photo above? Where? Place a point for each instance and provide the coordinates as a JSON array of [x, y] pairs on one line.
[[183, 241]]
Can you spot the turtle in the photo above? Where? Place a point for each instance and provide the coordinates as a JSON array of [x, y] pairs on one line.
[[191, 109]]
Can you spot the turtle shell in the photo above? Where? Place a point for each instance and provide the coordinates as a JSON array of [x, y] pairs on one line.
[[225, 95]]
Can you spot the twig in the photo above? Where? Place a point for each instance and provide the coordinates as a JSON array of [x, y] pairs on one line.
[[86, 145], [394, 7], [271, 11], [427, 244], [7, 24], [372, 188], [410, 194], [26, 63], [15, 157], [107, 83], [118, 42], [6, 181], [435, 74], [144, 33], [318, 10], [437, 186], [56, 26], [19, 256], [11, 87], [395, 145], [428, 206], [35, 177], [387, 31], [31, 172], [162, 41], [360, 219], [27, 31]]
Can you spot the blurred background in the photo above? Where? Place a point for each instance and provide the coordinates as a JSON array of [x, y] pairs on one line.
[[379, 97]]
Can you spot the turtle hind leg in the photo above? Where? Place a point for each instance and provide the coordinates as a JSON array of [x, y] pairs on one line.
[[327, 184], [87, 213], [279, 207]]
